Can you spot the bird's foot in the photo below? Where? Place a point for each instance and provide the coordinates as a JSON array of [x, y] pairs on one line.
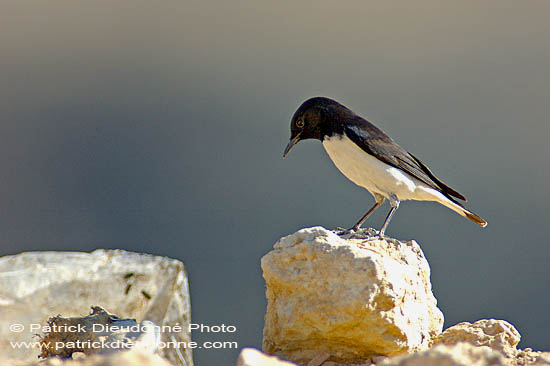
[[355, 233], [341, 231], [380, 236], [347, 233]]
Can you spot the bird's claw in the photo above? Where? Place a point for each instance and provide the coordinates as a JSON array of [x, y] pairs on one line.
[[356, 233]]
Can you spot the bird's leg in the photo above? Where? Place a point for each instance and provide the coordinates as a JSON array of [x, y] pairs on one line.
[[379, 200], [394, 202]]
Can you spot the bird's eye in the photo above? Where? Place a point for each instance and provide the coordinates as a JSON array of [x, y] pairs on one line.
[[300, 123]]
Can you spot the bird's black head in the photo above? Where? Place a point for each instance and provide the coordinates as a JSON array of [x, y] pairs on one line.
[[314, 119]]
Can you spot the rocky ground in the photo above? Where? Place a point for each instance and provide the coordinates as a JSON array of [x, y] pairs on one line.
[[334, 298]]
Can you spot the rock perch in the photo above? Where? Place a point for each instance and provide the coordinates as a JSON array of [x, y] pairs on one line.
[[349, 298]]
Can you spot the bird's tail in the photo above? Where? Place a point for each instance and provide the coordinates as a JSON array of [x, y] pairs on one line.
[[463, 211]]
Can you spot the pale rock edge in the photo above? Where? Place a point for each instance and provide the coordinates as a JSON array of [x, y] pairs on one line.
[[37, 285]]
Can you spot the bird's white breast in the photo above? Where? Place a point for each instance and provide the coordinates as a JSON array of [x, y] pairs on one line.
[[372, 174]]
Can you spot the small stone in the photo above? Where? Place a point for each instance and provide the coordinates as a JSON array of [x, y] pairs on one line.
[[461, 354], [253, 357], [378, 359], [496, 334], [319, 359]]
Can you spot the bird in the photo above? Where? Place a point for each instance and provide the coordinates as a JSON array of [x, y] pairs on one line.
[[371, 159]]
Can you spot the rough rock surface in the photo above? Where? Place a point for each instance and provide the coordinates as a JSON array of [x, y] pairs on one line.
[[497, 334], [37, 285], [527, 356], [351, 298], [462, 354], [70, 336], [253, 357], [466, 354], [133, 358]]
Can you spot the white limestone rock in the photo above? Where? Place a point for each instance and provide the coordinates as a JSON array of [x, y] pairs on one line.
[[37, 285], [351, 298], [527, 356], [253, 357], [461, 354], [496, 334]]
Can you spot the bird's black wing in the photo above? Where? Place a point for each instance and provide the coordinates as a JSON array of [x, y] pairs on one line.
[[376, 143]]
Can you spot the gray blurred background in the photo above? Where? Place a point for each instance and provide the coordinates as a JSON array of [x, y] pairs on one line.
[[159, 126]]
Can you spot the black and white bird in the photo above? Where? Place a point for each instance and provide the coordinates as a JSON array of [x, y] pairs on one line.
[[371, 159]]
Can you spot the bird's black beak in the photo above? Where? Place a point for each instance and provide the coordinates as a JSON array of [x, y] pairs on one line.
[[291, 144]]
